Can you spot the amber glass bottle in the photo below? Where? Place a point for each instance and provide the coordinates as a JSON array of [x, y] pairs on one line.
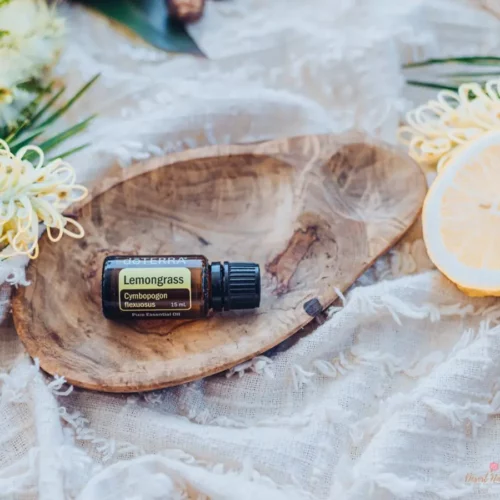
[[176, 286]]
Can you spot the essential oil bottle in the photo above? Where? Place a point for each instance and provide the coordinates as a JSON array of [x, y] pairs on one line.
[[176, 286]]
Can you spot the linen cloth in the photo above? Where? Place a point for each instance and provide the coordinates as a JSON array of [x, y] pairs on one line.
[[395, 396]]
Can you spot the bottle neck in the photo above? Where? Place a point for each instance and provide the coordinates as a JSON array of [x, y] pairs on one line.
[[218, 286], [234, 285]]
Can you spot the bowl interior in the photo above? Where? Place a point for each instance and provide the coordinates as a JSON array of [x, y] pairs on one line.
[[313, 220]]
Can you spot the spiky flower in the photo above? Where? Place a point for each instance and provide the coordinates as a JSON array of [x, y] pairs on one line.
[[32, 194], [31, 37], [437, 130]]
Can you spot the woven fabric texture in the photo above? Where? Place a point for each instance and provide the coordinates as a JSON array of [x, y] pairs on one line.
[[394, 396]]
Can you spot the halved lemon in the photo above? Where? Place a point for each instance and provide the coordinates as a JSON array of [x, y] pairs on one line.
[[461, 218]]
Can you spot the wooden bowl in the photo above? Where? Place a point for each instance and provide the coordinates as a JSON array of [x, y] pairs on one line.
[[313, 211]]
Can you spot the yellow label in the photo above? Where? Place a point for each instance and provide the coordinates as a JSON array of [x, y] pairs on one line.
[[154, 289]]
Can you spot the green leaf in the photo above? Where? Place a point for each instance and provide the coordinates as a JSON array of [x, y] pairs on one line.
[[474, 60], [26, 139], [28, 114], [52, 118], [148, 19], [26, 129], [470, 75], [47, 105], [51, 143], [33, 86], [431, 85], [69, 152], [31, 132]]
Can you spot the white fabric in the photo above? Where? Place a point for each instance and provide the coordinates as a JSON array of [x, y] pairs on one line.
[[393, 397]]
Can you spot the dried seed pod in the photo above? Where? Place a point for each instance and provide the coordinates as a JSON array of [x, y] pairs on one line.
[[187, 11]]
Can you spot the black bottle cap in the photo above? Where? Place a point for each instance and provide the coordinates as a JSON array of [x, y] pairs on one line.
[[235, 285]]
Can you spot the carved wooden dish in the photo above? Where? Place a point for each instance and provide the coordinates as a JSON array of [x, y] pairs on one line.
[[313, 211]]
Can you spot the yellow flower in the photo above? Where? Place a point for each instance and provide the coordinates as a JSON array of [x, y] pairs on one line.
[[6, 96], [437, 130], [32, 194]]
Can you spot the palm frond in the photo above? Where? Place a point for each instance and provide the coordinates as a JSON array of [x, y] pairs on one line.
[[486, 67], [54, 141], [472, 74], [150, 20], [69, 152], [31, 118], [471, 60], [34, 122], [52, 118], [432, 85]]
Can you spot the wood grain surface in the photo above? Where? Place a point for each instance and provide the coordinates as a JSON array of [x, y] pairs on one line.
[[313, 211]]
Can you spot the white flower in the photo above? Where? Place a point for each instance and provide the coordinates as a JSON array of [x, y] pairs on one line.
[[437, 130], [32, 194], [31, 37]]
